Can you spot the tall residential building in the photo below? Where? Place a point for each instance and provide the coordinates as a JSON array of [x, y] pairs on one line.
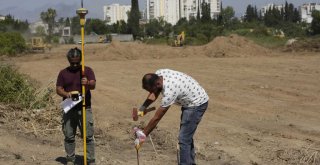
[[2, 17], [115, 12], [173, 10], [306, 11], [264, 9]]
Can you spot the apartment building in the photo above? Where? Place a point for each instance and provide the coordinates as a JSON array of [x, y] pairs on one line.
[[264, 9], [2, 17], [172, 10], [306, 11], [115, 12]]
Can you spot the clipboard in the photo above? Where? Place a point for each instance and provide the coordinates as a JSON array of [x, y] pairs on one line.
[[68, 104]]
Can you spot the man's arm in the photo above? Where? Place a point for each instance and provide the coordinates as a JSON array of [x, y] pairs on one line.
[[61, 92], [91, 84], [150, 99], [155, 120], [89, 79]]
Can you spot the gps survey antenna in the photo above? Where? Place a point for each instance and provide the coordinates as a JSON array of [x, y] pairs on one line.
[[82, 14]]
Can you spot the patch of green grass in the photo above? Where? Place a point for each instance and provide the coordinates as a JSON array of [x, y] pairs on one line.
[[261, 36], [268, 41], [18, 89]]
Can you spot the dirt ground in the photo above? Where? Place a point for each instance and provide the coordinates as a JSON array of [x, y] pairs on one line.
[[263, 108]]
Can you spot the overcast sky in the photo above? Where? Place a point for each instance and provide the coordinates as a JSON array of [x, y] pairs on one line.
[[30, 9]]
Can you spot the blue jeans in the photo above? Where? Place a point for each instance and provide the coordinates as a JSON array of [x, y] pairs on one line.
[[190, 118]]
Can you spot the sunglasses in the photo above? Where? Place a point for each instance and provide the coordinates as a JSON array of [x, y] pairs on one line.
[[74, 63]]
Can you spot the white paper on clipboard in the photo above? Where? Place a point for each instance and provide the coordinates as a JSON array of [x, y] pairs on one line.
[[67, 104]]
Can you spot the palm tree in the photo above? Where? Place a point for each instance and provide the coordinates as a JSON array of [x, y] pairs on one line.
[[49, 18]]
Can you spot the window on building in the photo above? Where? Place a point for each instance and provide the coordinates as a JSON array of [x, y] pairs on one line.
[[108, 18]]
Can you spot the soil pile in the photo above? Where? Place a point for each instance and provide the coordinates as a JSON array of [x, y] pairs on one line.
[[303, 45], [233, 46]]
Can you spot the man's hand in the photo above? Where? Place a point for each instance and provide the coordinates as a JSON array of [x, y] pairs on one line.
[[84, 81], [140, 137]]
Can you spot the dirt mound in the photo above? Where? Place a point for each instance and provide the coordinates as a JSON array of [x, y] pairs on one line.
[[303, 45], [135, 50], [233, 46]]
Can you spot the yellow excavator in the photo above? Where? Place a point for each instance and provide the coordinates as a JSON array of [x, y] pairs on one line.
[[37, 44], [179, 40]]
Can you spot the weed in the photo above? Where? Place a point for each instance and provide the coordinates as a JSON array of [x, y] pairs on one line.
[[21, 90]]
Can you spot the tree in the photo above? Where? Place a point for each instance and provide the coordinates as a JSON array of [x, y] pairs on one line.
[[11, 24], [296, 16], [95, 25], [198, 11], [180, 25], [133, 20], [67, 22], [205, 12], [227, 14], [120, 27], [167, 28], [123, 27], [219, 19], [75, 25], [315, 24], [273, 18], [158, 27], [40, 31], [255, 13], [290, 12], [249, 16], [286, 11], [61, 23], [49, 18], [152, 28]]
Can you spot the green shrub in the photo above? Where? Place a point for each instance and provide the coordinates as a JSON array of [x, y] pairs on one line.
[[241, 32], [20, 90], [55, 39], [11, 43], [294, 30], [158, 41], [71, 40], [260, 32]]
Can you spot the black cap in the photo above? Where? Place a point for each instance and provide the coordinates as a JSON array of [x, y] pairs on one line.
[[74, 53]]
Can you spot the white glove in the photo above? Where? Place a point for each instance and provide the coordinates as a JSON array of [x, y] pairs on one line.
[[140, 137]]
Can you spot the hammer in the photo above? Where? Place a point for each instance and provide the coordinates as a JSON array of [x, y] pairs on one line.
[[136, 113]]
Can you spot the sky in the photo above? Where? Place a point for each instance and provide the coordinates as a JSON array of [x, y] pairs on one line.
[[31, 9]]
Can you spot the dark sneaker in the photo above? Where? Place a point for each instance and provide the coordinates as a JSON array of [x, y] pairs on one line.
[[70, 163], [71, 160], [91, 162]]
